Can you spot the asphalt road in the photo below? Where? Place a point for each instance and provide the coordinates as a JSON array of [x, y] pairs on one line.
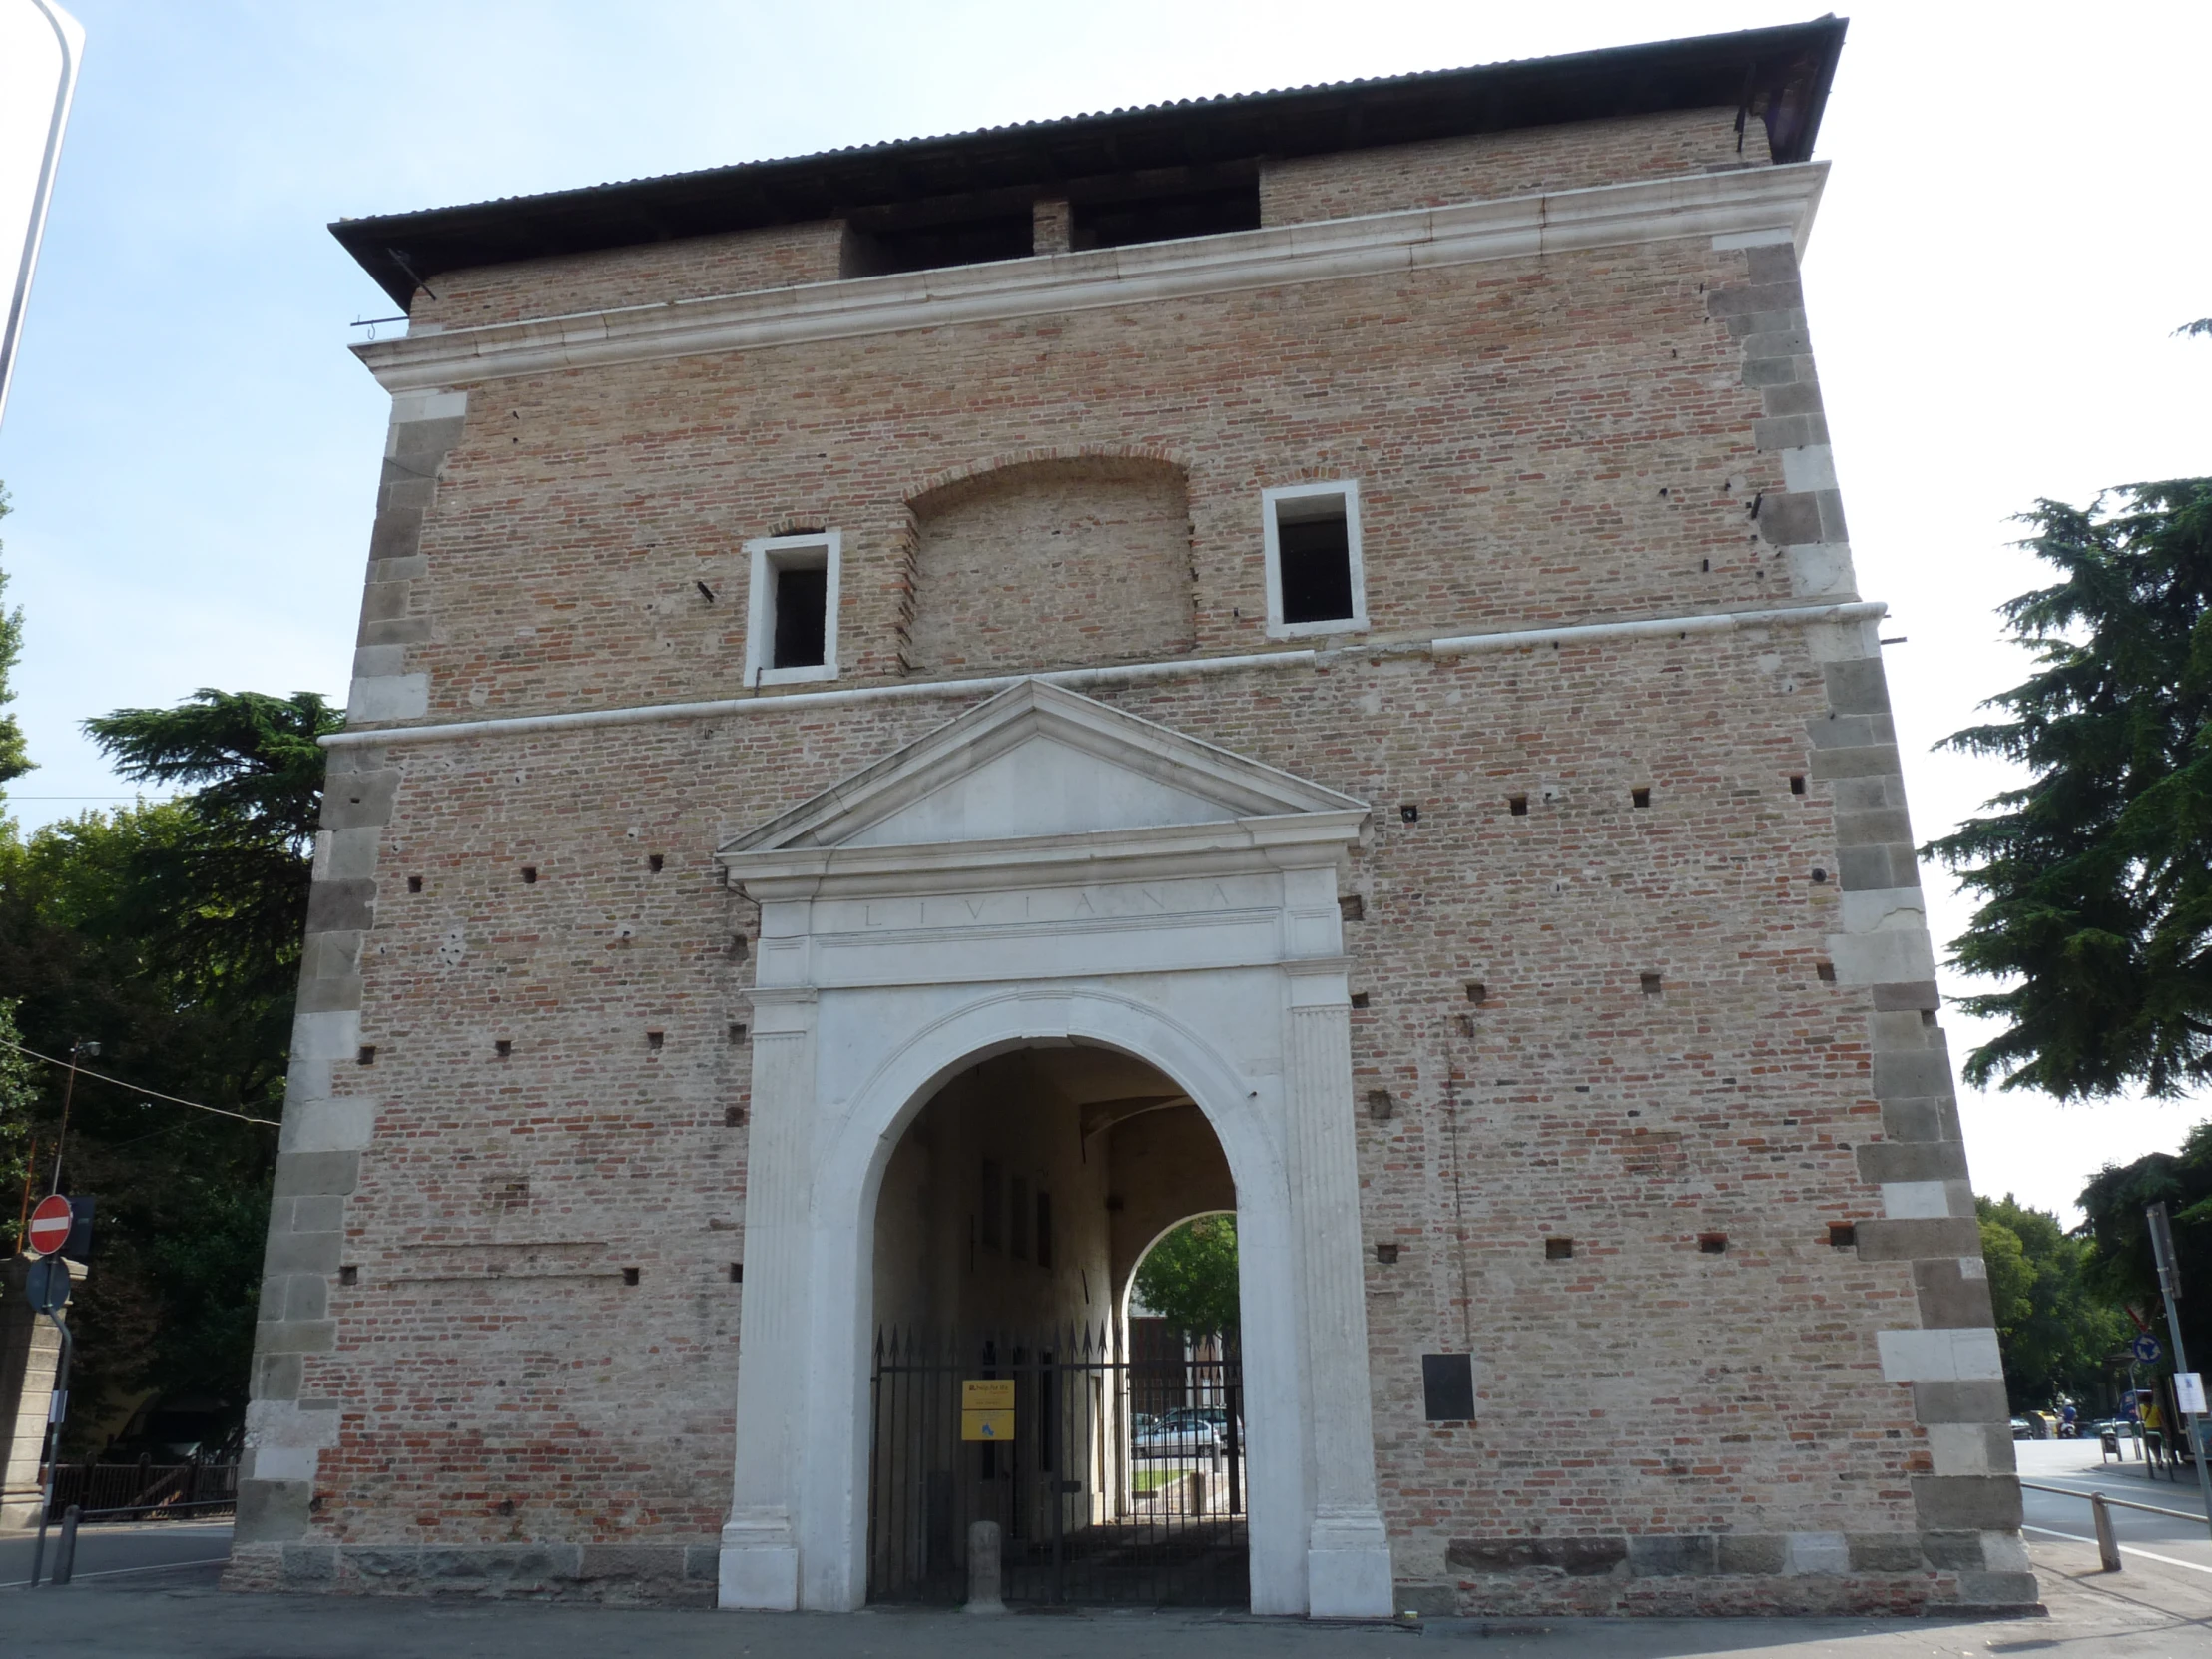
[[2078, 1466], [148, 1593], [157, 1555]]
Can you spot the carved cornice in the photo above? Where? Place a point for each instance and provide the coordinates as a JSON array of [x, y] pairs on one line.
[[1750, 203], [1292, 840]]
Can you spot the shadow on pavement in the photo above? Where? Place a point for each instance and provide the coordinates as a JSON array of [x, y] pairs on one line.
[[2130, 1615]]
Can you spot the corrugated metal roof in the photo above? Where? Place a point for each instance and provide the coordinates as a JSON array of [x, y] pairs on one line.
[[1781, 73]]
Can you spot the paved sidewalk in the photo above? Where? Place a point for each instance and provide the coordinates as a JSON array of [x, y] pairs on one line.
[[2165, 1614]]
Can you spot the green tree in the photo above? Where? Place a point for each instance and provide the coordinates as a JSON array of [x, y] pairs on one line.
[[171, 933], [2095, 875], [2055, 1329], [2122, 1266], [18, 1100], [1190, 1277], [226, 881], [15, 757]]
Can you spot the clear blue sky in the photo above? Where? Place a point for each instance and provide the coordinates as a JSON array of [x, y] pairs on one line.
[[2016, 223]]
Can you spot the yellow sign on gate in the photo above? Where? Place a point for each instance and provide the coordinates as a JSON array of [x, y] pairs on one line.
[[987, 1409]]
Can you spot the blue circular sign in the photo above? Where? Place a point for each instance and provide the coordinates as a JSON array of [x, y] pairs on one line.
[[47, 1284], [2145, 1348]]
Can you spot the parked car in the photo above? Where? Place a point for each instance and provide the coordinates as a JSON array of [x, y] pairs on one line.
[[1183, 1432], [2022, 1429], [1217, 1415]]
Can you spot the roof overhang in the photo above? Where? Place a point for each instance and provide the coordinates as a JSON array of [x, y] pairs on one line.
[[1780, 76]]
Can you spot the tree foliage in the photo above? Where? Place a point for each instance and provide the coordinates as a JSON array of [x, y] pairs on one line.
[[15, 758], [1190, 1277], [226, 880], [169, 933], [2095, 875], [18, 1095], [2055, 1329], [2122, 1266]]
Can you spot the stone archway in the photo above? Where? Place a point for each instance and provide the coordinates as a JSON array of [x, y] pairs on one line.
[[1047, 870], [1001, 1228]]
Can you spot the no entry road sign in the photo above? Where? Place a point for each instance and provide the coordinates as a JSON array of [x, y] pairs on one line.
[[50, 1224]]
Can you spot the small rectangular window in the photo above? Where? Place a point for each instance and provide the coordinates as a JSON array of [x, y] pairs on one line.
[[1447, 1386], [1315, 578], [798, 616], [791, 627]]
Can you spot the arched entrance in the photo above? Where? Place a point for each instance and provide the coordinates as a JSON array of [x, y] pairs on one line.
[[1010, 1215], [1046, 873]]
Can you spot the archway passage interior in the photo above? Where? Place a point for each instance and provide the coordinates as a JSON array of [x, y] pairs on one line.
[[1012, 1215]]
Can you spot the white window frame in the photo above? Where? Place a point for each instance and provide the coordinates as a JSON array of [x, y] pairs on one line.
[[823, 550], [1347, 489]]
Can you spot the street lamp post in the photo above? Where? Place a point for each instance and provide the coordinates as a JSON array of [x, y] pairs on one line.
[[2169, 1283], [80, 1049]]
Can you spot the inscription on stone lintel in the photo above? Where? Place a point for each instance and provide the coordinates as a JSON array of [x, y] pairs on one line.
[[1122, 901]]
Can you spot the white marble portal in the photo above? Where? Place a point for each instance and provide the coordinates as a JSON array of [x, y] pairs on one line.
[[1047, 870]]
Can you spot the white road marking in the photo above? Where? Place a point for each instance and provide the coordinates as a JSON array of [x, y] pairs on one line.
[[2125, 1549], [117, 1572]]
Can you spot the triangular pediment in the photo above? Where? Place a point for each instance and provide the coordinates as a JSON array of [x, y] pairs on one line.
[[1037, 760]]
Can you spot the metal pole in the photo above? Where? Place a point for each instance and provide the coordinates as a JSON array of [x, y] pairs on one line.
[[69, 1089], [65, 1554], [30, 1175], [2109, 1547], [57, 1408], [2169, 1281]]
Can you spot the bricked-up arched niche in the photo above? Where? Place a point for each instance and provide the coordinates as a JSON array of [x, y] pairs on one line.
[[1007, 1216], [1165, 903], [1063, 563]]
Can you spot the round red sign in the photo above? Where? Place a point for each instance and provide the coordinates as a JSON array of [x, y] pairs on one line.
[[50, 1224]]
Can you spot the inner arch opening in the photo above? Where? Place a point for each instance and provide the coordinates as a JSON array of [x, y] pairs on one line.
[[1012, 1215]]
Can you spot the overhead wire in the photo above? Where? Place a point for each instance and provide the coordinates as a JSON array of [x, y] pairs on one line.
[[174, 1100]]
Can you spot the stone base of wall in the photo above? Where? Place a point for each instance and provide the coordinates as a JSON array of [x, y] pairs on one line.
[[661, 1575], [1731, 1574]]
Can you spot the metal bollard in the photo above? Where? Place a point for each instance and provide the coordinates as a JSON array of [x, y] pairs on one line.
[[983, 1569], [65, 1552], [2108, 1547]]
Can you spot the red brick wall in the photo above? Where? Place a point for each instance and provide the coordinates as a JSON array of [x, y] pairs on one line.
[[1077, 562], [1393, 177], [779, 257], [1518, 463], [1641, 1387]]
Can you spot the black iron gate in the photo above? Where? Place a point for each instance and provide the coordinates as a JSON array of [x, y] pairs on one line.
[[1123, 1479]]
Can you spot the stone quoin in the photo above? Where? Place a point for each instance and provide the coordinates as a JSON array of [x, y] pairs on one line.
[[926, 712]]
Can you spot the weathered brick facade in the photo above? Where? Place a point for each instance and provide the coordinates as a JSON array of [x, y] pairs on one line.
[[1637, 952]]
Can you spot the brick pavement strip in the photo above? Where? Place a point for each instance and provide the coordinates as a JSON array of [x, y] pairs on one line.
[[2133, 1615]]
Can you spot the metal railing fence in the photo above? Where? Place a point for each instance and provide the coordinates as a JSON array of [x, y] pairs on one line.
[[2101, 1514], [145, 1490], [1123, 1479]]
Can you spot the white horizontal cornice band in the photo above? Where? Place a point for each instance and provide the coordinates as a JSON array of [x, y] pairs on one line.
[[1715, 622], [1288, 840], [1745, 202]]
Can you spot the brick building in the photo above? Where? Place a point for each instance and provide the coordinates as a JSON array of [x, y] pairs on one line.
[[926, 712]]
